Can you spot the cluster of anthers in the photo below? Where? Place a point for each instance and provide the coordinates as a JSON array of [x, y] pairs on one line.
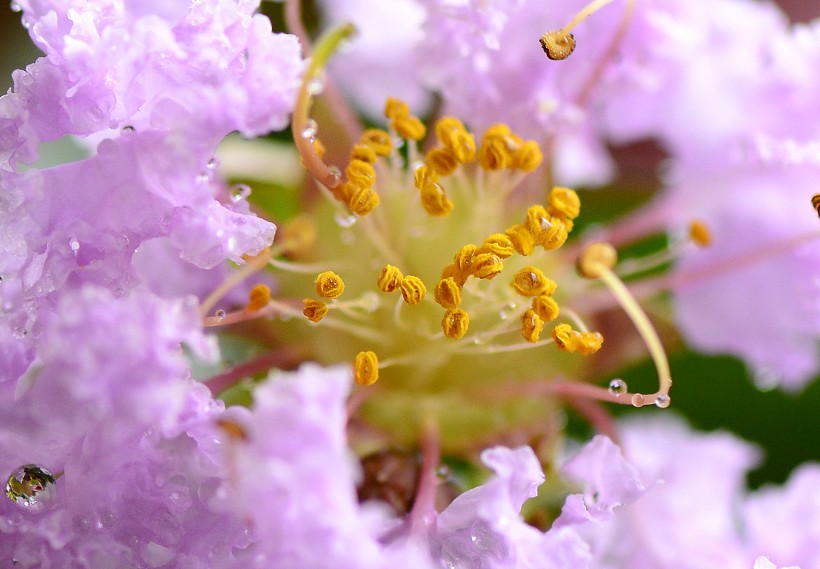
[[455, 162]]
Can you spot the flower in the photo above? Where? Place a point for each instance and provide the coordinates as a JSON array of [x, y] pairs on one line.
[[129, 437]]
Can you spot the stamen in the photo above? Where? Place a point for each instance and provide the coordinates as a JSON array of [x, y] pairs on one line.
[[815, 202], [390, 279], [366, 368], [561, 43], [258, 298], [545, 307], [532, 325], [530, 281], [297, 237], [329, 285], [700, 235], [326, 46], [314, 310], [448, 293], [413, 290], [596, 262], [455, 323]]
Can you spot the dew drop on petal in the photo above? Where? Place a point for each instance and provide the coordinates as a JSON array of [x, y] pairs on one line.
[[310, 130], [220, 314], [240, 192], [15, 7], [213, 163], [74, 244], [30, 486], [618, 387], [637, 400], [663, 401], [483, 536]]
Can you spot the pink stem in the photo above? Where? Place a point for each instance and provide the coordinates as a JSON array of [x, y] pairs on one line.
[[424, 508], [277, 358]]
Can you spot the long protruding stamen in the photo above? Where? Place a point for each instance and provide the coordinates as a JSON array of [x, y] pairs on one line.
[[327, 45], [585, 12], [559, 44], [596, 262]]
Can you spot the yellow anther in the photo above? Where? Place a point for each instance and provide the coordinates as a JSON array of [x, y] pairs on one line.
[[462, 144], [558, 235], [446, 127], [378, 140], [565, 337], [531, 326], [545, 307], [364, 153], [329, 285], [314, 310], [486, 265], [396, 109], [530, 281], [424, 176], [258, 298], [443, 161], [815, 202], [298, 236], [448, 293], [360, 173], [500, 245], [413, 289], [494, 153], [464, 262], [522, 239], [699, 234], [410, 128], [527, 157], [564, 202], [363, 201], [539, 223], [595, 259], [455, 323], [557, 45], [366, 368], [435, 200], [390, 279], [589, 342]]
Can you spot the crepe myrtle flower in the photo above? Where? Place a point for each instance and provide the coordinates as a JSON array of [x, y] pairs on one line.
[[434, 271]]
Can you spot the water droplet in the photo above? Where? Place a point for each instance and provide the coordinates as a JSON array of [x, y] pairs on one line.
[[220, 314], [74, 244], [15, 7], [316, 85], [443, 472], [213, 163], [483, 536], [240, 192], [129, 128], [663, 401], [203, 177], [506, 310], [618, 387], [345, 220], [25, 22], [310, 130], [637, 400], [30, 486]]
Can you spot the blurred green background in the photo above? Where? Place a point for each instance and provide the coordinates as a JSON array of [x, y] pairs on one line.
[[712, 392]]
